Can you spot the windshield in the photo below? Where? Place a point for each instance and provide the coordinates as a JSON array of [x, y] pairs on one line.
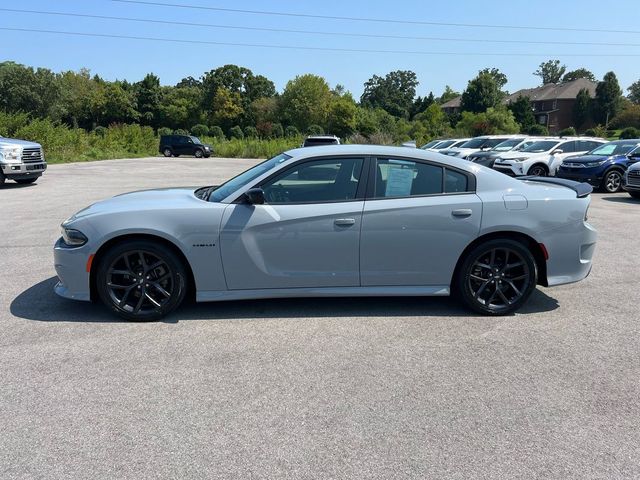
[[613, 149], [226, 189], [474, 143], [196, 140], [540, 146], [445, 144], [430, 144], [507, 145], [459, 143]]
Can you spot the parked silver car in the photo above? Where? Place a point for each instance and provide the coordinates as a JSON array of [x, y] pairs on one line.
[[631, 180], [351, 220], [21, 161]]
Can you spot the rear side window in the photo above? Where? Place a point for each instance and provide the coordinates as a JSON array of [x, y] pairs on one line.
[[404, 178], [455, 182], [567, 147]]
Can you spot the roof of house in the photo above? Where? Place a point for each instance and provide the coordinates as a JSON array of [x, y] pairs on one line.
[[550, 91]]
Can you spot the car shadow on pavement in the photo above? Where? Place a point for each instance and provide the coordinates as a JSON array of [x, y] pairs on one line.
[[40, 303], [627, 199]]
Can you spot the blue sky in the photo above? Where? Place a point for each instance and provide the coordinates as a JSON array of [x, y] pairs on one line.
[[131, 59]]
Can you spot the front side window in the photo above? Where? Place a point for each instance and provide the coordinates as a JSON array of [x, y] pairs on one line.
[[317, 181], [614, 149], [568, 147], [541, 146]]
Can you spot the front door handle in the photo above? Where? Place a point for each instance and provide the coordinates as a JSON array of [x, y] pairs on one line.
[[344, 222], [462, 212]]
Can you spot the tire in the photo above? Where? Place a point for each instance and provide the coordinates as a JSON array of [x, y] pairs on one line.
[[167, 152], [538, 170], [199, 154], [26, 181], [141, 280], [499, 290], [612, 181], [2, 178], [635, 194]]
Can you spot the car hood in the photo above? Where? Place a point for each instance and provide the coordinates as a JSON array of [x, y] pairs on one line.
[[591, 158], [144, 200], [510, 155], [10, 142]]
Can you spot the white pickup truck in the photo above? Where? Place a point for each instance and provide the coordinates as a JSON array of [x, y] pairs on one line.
[[21, 161]]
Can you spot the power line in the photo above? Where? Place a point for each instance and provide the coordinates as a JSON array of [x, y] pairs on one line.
[[325, 49], [376, 20], [313, 32]]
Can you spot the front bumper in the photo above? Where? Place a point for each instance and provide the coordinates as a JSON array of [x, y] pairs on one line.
[[511, 169], [591, 176], [71, 267], [631, 183], [23, 171]]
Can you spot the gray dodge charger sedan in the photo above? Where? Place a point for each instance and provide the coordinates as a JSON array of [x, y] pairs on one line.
[[331, 221]]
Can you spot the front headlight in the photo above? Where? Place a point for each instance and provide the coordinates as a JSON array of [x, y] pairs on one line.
[[72, 237], [595, 164], [11, 154], [519, 159]]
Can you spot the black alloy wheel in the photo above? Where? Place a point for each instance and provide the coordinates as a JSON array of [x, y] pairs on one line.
[[167, 152], [497, 277], [141, 281], [612, 181], [199, 153], [538, 171]]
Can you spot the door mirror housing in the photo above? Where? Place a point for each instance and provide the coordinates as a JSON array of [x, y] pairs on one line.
[[635, 155], [557, 151], [254, 196]]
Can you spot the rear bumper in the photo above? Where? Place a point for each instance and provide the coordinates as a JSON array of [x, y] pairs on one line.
[[571, 250]]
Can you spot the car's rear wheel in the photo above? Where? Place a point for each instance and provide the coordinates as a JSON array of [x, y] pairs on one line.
[[612, 181], [199, 154], [538, 171], [141, 280], [167, 152], [497, 277], [26, 181], [2, 178]]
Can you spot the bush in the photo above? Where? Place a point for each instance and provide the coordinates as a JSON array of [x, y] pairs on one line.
[[291, 131], [567, 132], [250, 132], [315, 130], [236, 132], [200, 130], [381, 138], [357, 139], [597, 131], [180, 131], [216, 132], [538, 129], [164, 131], [629, 132], [11, 122], [590, 132], [100, 131], [277, 131]]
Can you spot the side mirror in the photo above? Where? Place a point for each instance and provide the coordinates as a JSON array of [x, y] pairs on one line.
[[254, 196], [635, 155], [557, 152]]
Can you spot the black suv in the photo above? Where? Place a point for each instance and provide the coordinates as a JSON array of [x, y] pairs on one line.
[[176, 145]]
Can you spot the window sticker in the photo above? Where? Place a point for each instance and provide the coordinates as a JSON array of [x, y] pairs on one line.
[[399, 181]]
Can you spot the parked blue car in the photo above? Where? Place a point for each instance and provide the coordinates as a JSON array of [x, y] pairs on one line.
[[604, 166]]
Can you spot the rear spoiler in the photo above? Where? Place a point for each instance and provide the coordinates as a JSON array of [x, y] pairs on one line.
[[582, 189]]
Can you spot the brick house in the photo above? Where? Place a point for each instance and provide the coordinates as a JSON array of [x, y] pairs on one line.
[[552, 103]]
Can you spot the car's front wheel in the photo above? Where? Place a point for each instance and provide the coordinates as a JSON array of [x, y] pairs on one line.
[[141, 280], [167, 152], [538, 171], [612, 181], [497, 277], [199, 154]]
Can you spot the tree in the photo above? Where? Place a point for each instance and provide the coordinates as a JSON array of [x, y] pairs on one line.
[[608, 98], [582, 108], [448, 94], [434, 121], [578, 73], [482, 93], [498, 76], [421, 104], [522, 112], [493, 121], [180, 107], [23, 89], [147, 93], [226, 108], [394, 92], [342, 116], [550, 71], [629, 117], [305, 101], [634, 92], [629, 132]]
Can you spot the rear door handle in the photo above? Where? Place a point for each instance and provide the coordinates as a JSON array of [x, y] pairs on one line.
[[462, 212], [344, 222]]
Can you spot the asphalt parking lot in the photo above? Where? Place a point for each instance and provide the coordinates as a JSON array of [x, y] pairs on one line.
[[322, 388]]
